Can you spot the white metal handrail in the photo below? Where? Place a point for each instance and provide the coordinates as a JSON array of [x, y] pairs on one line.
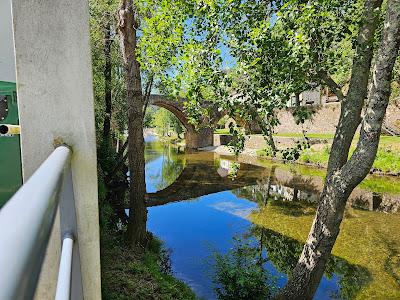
[[26, 222], [64, 273]]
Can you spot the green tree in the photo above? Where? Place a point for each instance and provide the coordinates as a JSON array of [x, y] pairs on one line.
[[148, 33], [344, 173], [149, 116], [109, 105], [165, 122]]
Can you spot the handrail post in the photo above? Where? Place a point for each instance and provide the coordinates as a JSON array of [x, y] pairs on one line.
[[68, 228], [63, 290]]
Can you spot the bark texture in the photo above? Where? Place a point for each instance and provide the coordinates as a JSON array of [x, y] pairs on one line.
[[128, 41], [107, 84], [344, 175], [353, 103]]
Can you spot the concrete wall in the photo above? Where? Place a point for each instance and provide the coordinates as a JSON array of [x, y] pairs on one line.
[[325, 120], [7, 57], [54, 86], [393, 116]]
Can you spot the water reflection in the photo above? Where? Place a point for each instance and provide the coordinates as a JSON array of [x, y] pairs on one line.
[[272, 205], [263, 247], [164, 163], [183, 176]]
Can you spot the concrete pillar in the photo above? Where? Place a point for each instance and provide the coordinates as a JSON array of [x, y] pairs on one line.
[[54, 87], [7, 58]]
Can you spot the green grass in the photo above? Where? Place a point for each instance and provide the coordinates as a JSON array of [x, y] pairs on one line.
[[387, 159], [309, 135], [221, 131], [315, 156], [372, 183], [381, 184], [129, 274], [389, 141]]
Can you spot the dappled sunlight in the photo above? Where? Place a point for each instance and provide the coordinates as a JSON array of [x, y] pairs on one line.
[[368, 239]]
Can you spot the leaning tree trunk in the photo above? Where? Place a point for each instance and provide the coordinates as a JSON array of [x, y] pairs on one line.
[[308, 272], [353, 103], [128, 40]]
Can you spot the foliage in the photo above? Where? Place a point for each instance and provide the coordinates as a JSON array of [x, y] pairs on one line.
[[161, 34], [166, 123], [237, 143], [221, 123], [149, 116], [239, 274], [102, 15], [221, 131], [279, 48]]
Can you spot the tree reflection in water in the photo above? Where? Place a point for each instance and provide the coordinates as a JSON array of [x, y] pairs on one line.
[[240, 274], [173, 162], [243, 272], [247, 261]]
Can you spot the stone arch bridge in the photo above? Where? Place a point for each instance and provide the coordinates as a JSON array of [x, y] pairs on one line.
[[195, 138]]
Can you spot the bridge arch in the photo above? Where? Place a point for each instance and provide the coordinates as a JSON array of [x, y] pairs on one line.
[[174, 106], [204, 137]]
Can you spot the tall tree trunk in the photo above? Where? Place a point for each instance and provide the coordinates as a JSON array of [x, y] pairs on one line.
[[107, 84], [128, 40], [352, 105], [344, 178]]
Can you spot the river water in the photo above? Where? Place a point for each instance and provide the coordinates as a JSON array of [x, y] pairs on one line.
[[205, 205]]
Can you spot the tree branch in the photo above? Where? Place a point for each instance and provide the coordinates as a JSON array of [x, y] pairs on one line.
[[147, 93], [335, 88]]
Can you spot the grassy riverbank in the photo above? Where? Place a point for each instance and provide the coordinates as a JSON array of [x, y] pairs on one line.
[[128, 274], [387, 160]]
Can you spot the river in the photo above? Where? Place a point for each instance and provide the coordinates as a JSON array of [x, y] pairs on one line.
[[205, 205]]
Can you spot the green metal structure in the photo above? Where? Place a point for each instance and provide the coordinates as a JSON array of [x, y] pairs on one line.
[[10, 154]]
